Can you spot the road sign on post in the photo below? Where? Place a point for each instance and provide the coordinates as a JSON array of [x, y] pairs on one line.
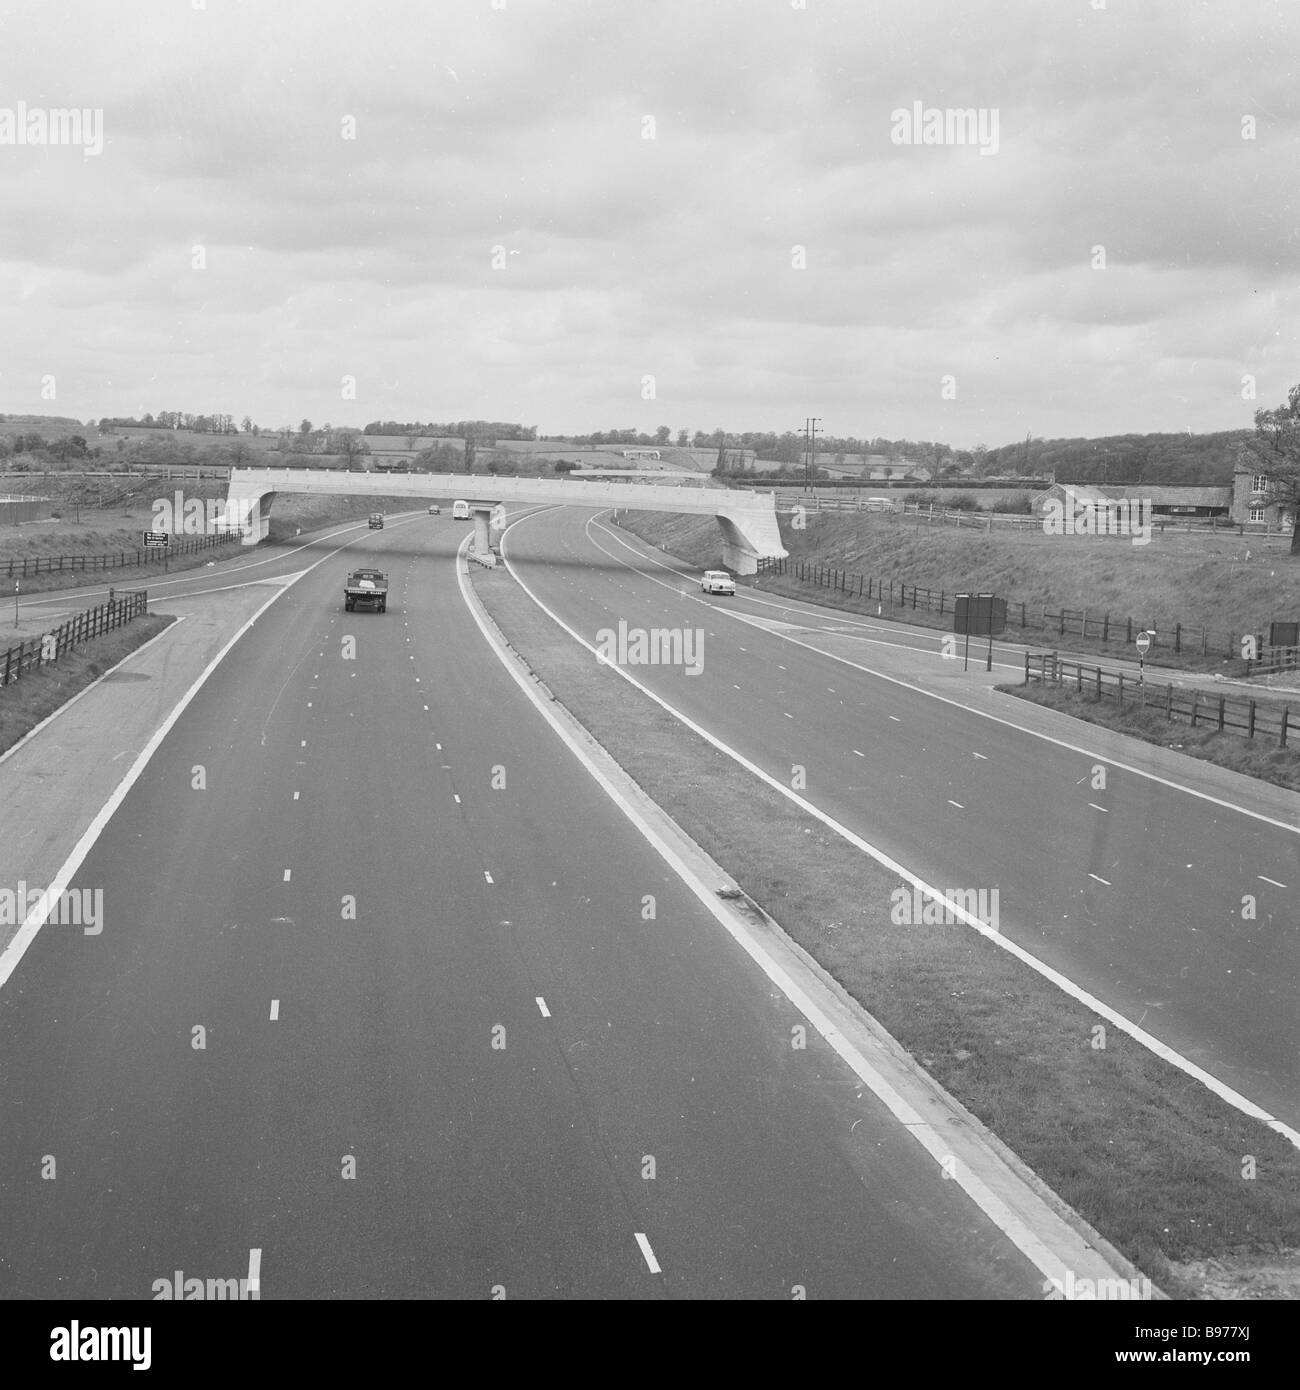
[[985, 615], [152, 538], [1143, 643]]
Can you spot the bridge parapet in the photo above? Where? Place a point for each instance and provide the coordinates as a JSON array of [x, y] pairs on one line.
[[746, 519]]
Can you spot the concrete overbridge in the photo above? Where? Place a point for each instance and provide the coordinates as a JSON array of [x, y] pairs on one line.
[[746, 520]]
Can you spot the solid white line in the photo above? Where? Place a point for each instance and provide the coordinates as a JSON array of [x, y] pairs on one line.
[[35, 920], [255, 1271], [1273, 881], [896, 719], [1082, 996], [275, 1010], [648, 1253], [980, 756], [541, 1004], [957, 804], [859, 752], [1106, 881], [1104, 809], [970, 709]]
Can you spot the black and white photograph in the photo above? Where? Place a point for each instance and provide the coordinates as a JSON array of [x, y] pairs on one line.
[[649, 652]]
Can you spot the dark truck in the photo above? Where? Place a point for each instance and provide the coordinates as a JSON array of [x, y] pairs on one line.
[[366, 586]]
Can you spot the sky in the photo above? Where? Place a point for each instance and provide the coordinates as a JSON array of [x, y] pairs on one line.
[[596, 214]]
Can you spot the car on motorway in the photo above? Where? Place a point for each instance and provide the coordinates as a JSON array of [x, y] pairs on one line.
[[435, 509], [376, 521], [460, 511], [717, 582], [879, 504]]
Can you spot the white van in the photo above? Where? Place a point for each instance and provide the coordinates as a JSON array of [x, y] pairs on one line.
[[460, 511]]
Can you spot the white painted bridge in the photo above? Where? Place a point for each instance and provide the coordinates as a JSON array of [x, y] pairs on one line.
[[747, 520]]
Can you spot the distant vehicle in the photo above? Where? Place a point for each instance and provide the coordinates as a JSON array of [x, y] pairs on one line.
[[368, 587], [879, 504], [376, 521], [435, 510], [717, 582], [460, 511]]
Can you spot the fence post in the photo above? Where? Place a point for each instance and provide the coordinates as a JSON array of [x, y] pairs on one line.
[[1221, 703], [1178, 637], [1105, 626], [1250, 721], [1121, 687], [1128, 629], [1196, 696], [1286, 709], [1169, 702]]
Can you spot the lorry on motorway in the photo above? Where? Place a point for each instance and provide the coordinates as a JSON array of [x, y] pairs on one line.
[[366, 586]]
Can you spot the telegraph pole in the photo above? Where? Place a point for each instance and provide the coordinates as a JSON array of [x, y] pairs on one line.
[[811, 428]]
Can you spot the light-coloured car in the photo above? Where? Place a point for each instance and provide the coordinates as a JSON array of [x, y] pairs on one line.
[[435, 510], [376, 521], [879, 504], [717, 582]]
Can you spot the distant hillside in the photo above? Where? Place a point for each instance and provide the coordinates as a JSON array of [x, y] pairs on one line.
[[41, 424], [1194, 460]]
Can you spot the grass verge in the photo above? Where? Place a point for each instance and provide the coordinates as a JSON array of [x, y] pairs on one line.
[[24, 703], [1144, 1153], [1253, 757]]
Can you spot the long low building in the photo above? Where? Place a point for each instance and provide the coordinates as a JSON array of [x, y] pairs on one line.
[[1251, 500]]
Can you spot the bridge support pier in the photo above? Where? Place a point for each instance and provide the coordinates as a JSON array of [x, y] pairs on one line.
[[482, 546]]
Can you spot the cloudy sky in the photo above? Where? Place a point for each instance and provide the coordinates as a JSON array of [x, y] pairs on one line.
[[585, 214]]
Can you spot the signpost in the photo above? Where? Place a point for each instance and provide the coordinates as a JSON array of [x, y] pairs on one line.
[[1143, 641], [983, 615]]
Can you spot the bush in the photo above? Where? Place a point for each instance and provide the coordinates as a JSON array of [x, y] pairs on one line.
[[1019, 504], [962, 502]]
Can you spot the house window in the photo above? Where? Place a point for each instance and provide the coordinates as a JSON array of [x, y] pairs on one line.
[[1259, 513], [1259, 483]]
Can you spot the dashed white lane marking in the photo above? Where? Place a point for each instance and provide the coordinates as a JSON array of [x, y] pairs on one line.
[[859, 752], [487, 875], [275, 1010], [648, 1253], [980, 756], [957, 804], [541, 1004], [303, 744], [309, 704], [255, 1271], [295, 796], [456, 798], [438, 746], [1106, 881], [1103, 809], [426, 709], [287, 872], [1273, 881], [788, 716], [735, 687]]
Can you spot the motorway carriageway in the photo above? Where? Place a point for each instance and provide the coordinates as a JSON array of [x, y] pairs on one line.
[[1133, 892], [335, 1043]]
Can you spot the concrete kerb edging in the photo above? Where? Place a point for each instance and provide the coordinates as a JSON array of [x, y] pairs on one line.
[[965, 1130]]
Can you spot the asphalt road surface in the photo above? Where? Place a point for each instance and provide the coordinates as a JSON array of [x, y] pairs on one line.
[[399, 970]]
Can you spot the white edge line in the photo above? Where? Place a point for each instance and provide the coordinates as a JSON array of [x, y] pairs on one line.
[[255, 1270], [49, 718], [35, 920], [1074, 991], [970, 709], [1016, 1229]]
